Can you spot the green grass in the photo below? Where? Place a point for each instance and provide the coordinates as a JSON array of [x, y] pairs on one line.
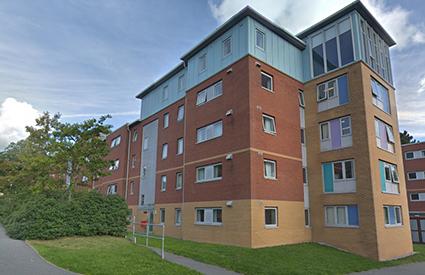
[[306, 258], [105, 255]]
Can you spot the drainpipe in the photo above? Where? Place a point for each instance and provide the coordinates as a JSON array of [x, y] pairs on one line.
[[128, 162]]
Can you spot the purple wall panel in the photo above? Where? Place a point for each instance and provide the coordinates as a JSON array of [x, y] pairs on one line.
[[335, 133], [383, 135]]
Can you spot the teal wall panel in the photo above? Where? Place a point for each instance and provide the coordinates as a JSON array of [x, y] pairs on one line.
[[382, 176], [328, 177]]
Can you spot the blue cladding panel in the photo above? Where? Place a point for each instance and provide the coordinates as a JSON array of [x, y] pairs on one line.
[[343, 89], [328, 177], [382, 176], [353, 215]]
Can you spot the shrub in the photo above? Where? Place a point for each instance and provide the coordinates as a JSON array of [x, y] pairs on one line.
[[52, 215]]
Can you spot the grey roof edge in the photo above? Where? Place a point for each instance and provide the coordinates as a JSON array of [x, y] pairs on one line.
[[160, 81], [245, 12], [362, 10], [410, 144]]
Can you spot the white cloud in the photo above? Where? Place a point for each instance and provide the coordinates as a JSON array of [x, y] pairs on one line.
[[14, 116], [286, 13]]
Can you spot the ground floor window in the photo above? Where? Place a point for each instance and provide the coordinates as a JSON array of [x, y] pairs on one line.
[[307, 217], [162, 215], [178, 217], [341, 215], [270, 214], [392, 215], [208, 216]]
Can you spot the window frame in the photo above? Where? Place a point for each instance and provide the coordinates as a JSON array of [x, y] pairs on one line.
[[263, 39], [349, 126], [180, 113], [208, 166], [180, 146], [328, 132], [145, 145], [204, 93], [163, 183], [265, 116], [166, 120], [271, 81], [164, 152], [274, 163], [204, 63], [135, 136], [180, 83], [335, 214], [116, 141], [109, 190], [165, 93], [229, 40], [179, 175], [387, 215], [205, 127], [208, 212], [276, 216]]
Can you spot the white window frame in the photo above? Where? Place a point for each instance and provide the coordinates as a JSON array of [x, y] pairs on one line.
[[327, 89], [273, 131], [274, 165], [210, 128], [112, 189], [335, 211], [229, 40], [178, 216], [387, 211], [257, 31], [209, 93], [212, 172], [202, 60], [275, 225], [166, 120], [115, 142], [179, 186], [180, 113], [349, 126], [321, 131], [164, 152], [180, 146], [271, 81], [344, 175], [163, 183], [208, 216], [393, 169]]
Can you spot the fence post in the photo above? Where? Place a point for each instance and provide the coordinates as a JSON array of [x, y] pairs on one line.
[[134, 229], [162, 249]]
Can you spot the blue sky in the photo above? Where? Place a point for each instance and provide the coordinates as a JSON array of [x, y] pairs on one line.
[[84, 58]]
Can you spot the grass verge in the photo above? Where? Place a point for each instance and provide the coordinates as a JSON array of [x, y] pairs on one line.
[[105, 255], [309, 258]]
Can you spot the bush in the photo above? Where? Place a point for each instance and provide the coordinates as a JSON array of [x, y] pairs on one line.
[[52, 215]]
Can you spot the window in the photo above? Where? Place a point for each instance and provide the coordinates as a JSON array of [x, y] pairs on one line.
[[302, 136], [135, 135], [380, 96], [162, 215], [327, 90], [166, 120], [341, 216], [270, 217], [180, 146], [324, 131], [345, 126], [411, 175], [209, 93], [269, 125], [410, 155], [133, 161], [417, 196], [306, 217], [115, 165], [318, 63], [179, 181], [178, 218], [181, 83], [165, 93], [145, 143], [332, 93], [132, 188], [390, 135], [301, 98], [269, 169], [304, 175], [116, 141], [227, 46], [266, 81], [389, 178], [112, 189], [392, 215], [210, 131], [164, 151], [180, 113], [163, 183], [331, 54], [202, 63], [343, 170], [209, 216], [346, 47], [384, 136], [209, 173], [260, 39]]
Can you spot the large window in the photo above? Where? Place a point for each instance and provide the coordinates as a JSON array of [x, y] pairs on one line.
[[332, 48], [260, 39], [180, 85], [341, 216], [209, 93], [179, 181], [339, 176], [266, 81], [208, 216], [164, 154], [209, 173], [324, 131], [392, 215], [227, 46], [332, 93], [269, 169], [270, 217], [180, 113], [180, 145], [163, 183], [116, 141], [210, 131], [380, 96], [269, 125]]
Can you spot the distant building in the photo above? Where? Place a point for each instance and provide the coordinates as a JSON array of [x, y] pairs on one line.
[[260, 137]]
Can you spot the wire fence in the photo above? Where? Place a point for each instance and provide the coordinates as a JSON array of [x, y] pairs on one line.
[[146, 234]]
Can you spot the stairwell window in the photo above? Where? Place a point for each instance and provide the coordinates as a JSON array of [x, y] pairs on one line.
[[269, 125], [270, 217], [166, 120], [301, 98], [165, 93], [345, 126], [178, 218], [260, 39], [269, 169], [267, 81]]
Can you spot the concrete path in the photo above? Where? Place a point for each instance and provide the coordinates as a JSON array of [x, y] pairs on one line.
[[195, 265], [408, 269], [16, 257]]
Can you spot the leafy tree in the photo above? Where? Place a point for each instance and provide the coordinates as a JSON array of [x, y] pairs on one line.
[[56, 153], [406, 138]]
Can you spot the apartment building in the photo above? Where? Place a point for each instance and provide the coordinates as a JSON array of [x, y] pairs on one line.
[[260, 137], [414, 167]]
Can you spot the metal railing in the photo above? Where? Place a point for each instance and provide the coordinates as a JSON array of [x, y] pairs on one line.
[[146, 234]]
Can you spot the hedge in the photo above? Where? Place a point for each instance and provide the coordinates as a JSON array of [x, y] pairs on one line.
[[51, 215]]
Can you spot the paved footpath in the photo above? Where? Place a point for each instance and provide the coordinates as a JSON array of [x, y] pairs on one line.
[[198, 266], [16, 257], [408, 269]]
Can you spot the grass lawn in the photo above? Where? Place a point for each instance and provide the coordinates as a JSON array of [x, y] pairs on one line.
[[307, 258], [105, 255]]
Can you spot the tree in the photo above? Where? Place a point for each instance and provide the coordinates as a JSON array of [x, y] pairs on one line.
[[56, 155], [406, 138]]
